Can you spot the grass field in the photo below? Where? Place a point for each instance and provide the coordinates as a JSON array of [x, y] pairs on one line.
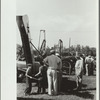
[[88, 91]]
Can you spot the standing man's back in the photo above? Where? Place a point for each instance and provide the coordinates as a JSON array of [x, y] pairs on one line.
[[54, 64], [53, 61]]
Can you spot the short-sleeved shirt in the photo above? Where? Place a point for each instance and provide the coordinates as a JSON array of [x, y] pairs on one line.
[[79, 67], [53, 61]]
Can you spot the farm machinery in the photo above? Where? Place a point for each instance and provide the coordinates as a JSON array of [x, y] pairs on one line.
[[23, 25], [68, 60]]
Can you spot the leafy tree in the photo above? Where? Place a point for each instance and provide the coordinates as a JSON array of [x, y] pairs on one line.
[[78, 48]]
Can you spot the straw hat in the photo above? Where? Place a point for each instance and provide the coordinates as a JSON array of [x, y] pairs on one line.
[[57, 54]]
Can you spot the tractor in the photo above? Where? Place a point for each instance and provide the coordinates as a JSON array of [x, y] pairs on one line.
[[68, 60]]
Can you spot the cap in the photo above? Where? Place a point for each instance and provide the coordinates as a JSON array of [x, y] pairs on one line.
[[52, 52]]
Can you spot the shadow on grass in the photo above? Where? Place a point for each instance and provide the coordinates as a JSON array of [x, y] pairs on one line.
[[37, 93], [68, 86], [88, 89], [82, 94], [21, 98]]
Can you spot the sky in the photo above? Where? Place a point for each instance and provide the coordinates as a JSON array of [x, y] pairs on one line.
[[61, 19]]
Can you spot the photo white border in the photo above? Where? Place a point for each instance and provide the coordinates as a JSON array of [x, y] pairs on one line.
[[97, 56], [8, 51]]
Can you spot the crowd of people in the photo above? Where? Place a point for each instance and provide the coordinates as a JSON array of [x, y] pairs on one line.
[[50, 72]]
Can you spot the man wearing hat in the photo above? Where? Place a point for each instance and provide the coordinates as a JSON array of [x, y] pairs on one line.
[[88, 64], [59, 74], [28, 79], [54, 65]]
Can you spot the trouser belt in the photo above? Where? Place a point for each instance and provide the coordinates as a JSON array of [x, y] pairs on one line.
[[54, 69]]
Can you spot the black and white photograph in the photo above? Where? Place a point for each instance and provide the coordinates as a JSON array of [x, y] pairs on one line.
[[56, 49]]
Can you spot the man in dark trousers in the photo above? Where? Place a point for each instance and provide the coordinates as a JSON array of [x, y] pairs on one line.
[[28, 80], [42, 76], [59, 74], [89, 65]]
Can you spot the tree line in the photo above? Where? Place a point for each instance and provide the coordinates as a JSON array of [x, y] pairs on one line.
[[86, 50]]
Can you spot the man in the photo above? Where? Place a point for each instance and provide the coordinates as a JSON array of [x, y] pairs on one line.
[[88, 64], [28, 79], [79, 72], [59, 74], [83, 58], [42, 75], [54, 65]]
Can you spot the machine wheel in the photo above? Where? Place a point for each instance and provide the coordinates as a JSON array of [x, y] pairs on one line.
[[66, 66]]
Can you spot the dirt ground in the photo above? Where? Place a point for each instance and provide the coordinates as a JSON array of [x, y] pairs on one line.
[[88, 91]]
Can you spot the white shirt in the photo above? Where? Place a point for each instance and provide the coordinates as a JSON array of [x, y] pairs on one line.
[[79, 66], [53, 61]]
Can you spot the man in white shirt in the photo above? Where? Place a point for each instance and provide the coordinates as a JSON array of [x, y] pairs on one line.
[[54, 65], [79, 72]]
